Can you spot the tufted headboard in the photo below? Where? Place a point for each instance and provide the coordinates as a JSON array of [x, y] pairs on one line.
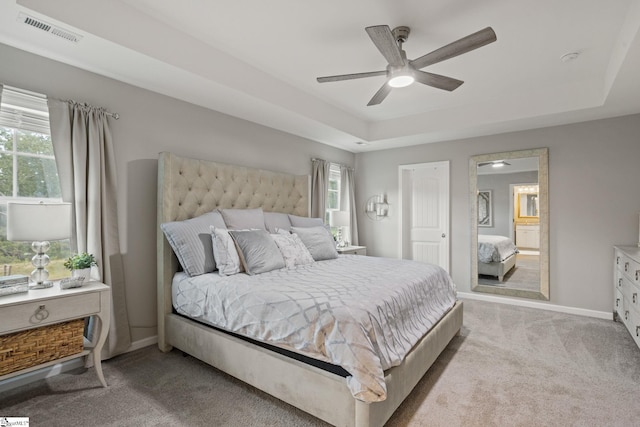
[[189, 187]]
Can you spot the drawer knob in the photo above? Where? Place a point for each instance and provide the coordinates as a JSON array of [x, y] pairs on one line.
[[626, 315], [617, 302], [634, 297], [637, 275], [617, 260], [626, 266], [638, 331], [620, 282], [41, 313]]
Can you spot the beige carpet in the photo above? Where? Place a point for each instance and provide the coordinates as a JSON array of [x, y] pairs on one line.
[[511, 366]]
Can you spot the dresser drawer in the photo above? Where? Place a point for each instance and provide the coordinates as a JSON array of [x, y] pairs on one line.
[[618, 304], [39, 313], [629, 290], [629, 267], [632, 321]]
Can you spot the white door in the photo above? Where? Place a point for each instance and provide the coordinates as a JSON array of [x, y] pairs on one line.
[[425, 212]]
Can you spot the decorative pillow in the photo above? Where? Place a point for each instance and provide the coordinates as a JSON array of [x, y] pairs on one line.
[[276, 220], [191, 242], [318, 241], [292, 249], [303, 221], [224, 251], [238, 219], [258, 251]]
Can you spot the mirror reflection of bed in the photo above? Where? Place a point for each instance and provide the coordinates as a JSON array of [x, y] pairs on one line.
[[502, 264]]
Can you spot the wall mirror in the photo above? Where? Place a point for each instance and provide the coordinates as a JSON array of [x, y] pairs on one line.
[[510, 252]]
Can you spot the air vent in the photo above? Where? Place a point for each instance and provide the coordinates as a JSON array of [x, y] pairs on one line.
[[51, 29]]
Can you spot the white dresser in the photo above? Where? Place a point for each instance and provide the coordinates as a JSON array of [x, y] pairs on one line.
[[626, 299]]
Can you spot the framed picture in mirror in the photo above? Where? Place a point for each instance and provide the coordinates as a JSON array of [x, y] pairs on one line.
[[485, 215]]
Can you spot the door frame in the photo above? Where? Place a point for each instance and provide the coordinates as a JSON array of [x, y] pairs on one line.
[[401, 202]]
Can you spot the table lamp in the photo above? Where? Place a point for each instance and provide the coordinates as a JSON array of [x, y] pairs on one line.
[[339, 219], [39, 223]]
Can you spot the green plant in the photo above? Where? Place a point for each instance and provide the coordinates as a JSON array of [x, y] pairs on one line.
[[80, 261]]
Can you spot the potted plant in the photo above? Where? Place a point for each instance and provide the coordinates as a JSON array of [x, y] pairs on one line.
[[80, 265]]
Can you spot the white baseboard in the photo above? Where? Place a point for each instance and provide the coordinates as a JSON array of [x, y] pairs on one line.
[[146, 342], [538, 305], [52, 371]]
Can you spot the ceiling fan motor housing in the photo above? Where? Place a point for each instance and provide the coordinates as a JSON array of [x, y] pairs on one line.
[[401, 34]]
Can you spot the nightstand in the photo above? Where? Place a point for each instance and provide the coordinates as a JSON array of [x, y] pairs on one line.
[[353, 250], [42, 307]]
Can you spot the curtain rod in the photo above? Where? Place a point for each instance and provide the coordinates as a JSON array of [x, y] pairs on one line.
[[313, 159], [115, 116]]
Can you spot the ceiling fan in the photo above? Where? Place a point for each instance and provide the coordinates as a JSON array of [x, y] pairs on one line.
[[402, 72]]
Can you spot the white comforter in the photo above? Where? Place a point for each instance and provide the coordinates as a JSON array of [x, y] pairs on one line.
[[495, 248], [362, 313]]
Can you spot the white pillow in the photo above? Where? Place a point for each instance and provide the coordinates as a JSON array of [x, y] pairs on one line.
[[224, 252], [293, 250]]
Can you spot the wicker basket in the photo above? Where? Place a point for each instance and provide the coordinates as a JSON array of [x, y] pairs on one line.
[[32, 347]]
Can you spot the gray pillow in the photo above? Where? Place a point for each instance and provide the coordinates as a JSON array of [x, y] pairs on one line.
[[237, 219], [258, 251], [318, 240], [276, 220], [191, 242], [303, 221]]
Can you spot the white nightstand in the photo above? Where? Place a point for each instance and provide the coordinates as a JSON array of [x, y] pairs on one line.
[[41, 307], [353, 250]]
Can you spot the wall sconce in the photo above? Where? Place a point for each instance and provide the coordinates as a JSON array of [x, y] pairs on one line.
[[377, 207]]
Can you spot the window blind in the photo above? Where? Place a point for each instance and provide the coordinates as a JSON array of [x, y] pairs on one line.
[[22, 109]]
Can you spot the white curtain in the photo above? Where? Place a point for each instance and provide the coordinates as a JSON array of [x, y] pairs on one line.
[[348, 200], [84, 155], [319, 187]]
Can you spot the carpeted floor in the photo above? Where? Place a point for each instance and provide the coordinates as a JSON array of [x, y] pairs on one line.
[[511, 366]]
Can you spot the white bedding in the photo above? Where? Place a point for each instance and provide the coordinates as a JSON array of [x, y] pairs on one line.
[[362, 313], [495, 248]]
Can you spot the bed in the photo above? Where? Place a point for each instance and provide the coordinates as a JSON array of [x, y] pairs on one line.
[[496, 255], [188, 188]]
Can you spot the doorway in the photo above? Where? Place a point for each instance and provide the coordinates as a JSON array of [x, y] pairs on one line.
[[424, 212]]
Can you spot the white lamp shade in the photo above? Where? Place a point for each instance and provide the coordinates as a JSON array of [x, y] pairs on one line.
[[339, 218], [38, 221]]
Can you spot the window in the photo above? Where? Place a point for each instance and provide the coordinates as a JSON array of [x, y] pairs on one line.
[[28, 172], [333, 196]]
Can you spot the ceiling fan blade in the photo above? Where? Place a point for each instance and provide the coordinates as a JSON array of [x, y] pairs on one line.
[[380, 95], [465, 44], [350, 76], [437, 81], [385, 42]]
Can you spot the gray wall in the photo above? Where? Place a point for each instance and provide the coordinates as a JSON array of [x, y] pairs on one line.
[[150, 123], [594, 200]]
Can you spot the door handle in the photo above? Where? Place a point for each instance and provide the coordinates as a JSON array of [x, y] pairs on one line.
[[444, 235]]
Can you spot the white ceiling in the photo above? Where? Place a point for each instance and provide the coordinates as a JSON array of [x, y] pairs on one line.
[[259, 60]]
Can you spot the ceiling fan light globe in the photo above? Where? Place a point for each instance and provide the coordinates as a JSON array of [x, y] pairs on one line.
[[401, 81]]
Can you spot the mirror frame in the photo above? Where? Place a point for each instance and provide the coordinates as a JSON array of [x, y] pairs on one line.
[[543, 188]]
